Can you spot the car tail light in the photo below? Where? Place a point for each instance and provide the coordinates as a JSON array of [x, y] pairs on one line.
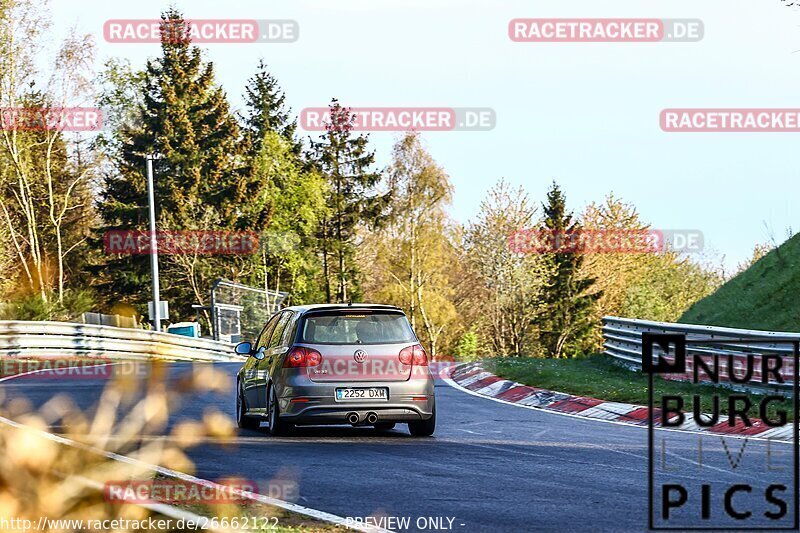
[[407, 355], [414, 355], [302, 357], [420, 357]]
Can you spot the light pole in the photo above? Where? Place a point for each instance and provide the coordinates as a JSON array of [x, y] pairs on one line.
[[153, 244]]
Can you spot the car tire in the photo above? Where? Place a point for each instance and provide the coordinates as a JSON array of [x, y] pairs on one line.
[[242, 420], [384, 426], [423, 428], [277, 427]]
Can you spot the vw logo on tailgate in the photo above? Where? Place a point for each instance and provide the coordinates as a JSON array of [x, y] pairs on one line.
[[360, 356]]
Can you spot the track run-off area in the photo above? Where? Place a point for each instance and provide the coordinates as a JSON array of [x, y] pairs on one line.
[[490, 466]]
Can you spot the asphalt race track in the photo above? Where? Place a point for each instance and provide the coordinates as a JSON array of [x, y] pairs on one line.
[[489, 467]]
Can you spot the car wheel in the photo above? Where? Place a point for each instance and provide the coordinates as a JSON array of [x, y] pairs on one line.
[[423, 428], [384, 426], [276, 426], [242, 420]]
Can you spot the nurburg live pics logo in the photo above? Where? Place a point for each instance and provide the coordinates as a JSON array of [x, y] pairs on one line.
[[711, 480]]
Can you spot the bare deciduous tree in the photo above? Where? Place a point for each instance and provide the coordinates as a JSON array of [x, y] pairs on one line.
[[42, 181]]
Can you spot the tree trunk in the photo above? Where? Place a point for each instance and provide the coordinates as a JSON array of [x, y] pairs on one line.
[[325, 266]]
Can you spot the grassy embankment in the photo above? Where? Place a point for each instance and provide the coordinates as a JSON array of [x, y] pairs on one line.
[[762, 297]]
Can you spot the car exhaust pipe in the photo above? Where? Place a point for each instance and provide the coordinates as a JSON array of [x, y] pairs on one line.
[[353, 418], [372, 418]]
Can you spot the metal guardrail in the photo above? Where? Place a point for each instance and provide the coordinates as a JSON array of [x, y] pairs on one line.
[[68, 339], [622, 339]]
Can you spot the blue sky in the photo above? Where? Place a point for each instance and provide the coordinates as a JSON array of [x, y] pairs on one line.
[[585, 114]]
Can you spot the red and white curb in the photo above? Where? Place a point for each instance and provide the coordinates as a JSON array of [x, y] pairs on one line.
[[473, 378]]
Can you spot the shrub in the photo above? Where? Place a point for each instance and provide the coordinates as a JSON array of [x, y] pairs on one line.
[[467, 347], [34, 307]]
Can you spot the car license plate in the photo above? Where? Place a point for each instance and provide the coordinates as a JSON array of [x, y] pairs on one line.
[[363, 393]]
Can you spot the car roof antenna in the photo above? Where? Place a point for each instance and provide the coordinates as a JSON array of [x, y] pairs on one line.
[[350, 302]]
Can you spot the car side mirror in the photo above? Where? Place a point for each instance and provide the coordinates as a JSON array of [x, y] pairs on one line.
[[244, 348]]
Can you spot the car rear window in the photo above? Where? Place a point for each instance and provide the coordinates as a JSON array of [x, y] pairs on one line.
[[357, 327]]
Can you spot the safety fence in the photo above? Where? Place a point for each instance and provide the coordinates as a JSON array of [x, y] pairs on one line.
[[26, 339], [622, 339]]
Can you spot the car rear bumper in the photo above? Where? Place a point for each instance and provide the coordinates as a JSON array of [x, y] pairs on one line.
[[305, 402]]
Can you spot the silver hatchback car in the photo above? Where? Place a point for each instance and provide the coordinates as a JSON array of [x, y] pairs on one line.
[[354, 364]]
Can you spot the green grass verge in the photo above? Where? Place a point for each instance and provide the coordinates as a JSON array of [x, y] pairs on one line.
[[597, 376]]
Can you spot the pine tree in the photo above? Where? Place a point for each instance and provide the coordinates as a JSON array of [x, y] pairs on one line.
[[267, 110], [568, 316], [185, 117], [345, 162], [285, 197]]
